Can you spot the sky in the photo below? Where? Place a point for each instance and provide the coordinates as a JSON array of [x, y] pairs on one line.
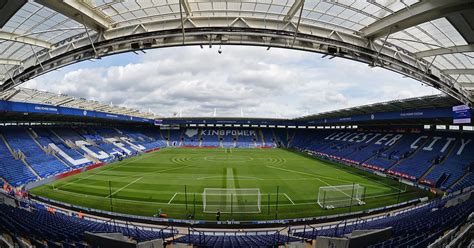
[[241, 81]]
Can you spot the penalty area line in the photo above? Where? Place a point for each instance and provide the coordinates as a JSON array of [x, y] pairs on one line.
[[175, 194], [115, 192]]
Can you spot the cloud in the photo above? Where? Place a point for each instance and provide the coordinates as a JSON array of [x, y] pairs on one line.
[[194, 81]]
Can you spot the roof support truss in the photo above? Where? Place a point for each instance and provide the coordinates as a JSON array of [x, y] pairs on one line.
[[447, 50], [181, 7], [186, 7], [293, 10], [24, 39], [10, 62], [78, 9], [417, 14], [261, 33], [459, 71]]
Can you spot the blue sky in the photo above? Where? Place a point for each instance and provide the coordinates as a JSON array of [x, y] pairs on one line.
[[194, 82]]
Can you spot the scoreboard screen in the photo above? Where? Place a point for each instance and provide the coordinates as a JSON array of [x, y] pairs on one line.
[[461, 114]]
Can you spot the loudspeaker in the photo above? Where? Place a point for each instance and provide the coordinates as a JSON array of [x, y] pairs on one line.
[[135, 45], [332, 50]]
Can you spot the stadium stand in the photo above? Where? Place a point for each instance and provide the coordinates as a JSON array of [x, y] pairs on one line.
[[143, 137], [438, 159], [46, 228], [174, 137], [44, 164], [49, 138], [267, 137], [415, 228], [387, 159], [236, 239], [466, 181], [14, 171], [459, 163], [191, 137]]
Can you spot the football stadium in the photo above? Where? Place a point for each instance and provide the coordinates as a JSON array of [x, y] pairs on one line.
[[328, 167]]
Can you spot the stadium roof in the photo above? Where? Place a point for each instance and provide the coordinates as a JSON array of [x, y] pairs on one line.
[[404, 105], [431, 41], [61, 100]]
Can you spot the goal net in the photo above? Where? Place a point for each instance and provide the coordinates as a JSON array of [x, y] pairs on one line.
[[341, 196], [225, 200]]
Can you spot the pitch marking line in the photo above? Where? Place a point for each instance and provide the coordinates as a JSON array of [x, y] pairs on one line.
[[115, 192], [230, 184], [304, 173], [317, 177], [178, 204], [102, 171], [175, 194], [141, 174], [292, 202], [234, 178]]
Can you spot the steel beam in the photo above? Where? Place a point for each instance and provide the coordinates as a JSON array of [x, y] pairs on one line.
[[78, 9], [293, 10], [186, 7], [416, 14], [447, 50], [466, 84], [10, 62], [24, 39], [459, 71]]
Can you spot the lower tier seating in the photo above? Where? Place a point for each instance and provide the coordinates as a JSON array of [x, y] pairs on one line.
[[236, 240], [416, 228], [43, 226]]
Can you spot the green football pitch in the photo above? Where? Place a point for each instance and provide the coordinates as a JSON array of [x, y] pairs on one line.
[[273, 183]]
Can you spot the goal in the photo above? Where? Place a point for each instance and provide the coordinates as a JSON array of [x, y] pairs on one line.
[[341, 196], [229, 200]]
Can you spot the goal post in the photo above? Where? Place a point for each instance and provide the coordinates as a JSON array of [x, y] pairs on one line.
[[229, 200], [341, 196]]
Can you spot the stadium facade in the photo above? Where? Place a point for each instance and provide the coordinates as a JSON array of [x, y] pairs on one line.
[[425, 143]]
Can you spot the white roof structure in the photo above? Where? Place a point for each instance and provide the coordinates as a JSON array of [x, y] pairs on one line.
[[430, 40], [62, 100]]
